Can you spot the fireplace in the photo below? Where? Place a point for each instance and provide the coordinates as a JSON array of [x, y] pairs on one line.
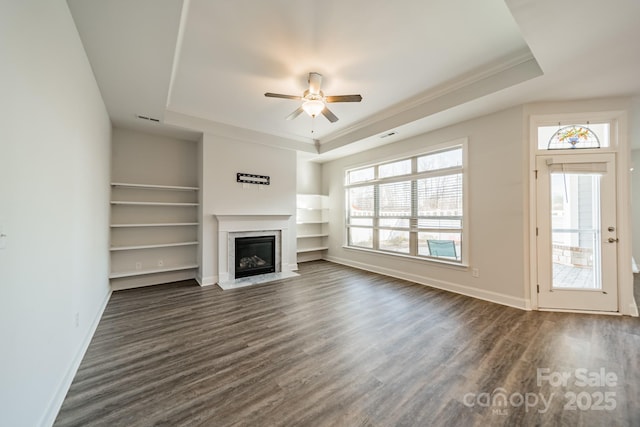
[[233, 229], [255, 255]]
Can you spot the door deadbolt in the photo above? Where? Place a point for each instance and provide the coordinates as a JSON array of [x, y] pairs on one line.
[[611, 229]]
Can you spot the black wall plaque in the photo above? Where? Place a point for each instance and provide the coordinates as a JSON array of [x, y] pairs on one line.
[[250, 178]]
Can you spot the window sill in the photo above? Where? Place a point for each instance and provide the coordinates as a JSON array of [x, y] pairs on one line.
[[443, 263]]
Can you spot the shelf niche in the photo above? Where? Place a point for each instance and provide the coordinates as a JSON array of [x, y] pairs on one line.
[[153, 234], [312, 226]]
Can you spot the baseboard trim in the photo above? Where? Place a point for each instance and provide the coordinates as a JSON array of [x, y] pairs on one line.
[[206, 281], [58, 399], [494, 297], [633, 309]]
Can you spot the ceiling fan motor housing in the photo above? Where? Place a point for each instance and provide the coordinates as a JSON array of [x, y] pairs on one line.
[[310, 96]]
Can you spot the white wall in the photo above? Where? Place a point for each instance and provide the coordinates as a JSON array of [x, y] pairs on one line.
[[627, 119], [151, 159], [54, 204], [635, 204], [309, 176], [221, 159], [634, 126], [496, 205]]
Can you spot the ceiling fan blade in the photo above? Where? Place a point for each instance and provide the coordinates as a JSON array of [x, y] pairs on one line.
[[344, 98], [279, 95], [315, 80], [295, 113], [329, 115]]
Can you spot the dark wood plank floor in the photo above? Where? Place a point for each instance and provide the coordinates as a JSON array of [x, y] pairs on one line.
[[342, 347]]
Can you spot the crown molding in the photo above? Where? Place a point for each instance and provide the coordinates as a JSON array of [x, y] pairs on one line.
[[233, 132], [507, 72]]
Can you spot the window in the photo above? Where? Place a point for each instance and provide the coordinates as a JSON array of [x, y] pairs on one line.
[[574, 135], [413, 206]]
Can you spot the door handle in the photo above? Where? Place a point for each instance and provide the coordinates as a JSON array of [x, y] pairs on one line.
[[612, 240]]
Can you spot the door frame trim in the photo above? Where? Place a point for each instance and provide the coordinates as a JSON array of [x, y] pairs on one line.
[[621, 148]]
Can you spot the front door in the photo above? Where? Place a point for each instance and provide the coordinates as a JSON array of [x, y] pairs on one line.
[[576, 232]]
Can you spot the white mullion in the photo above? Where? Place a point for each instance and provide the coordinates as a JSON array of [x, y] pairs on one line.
[[376, 209], [413, 222], [439, 230]]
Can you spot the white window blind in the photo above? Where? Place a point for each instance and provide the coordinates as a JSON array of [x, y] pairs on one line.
[[577, 168]]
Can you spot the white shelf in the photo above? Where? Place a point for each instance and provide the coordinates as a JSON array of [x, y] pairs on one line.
[[166, 224], [307, 236], [312, 220], [317, 248], [124, 202], [154, 271], [154, 187], [160, 245]]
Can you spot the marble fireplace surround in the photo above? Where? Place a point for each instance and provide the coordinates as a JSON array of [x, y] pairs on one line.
[[232, 226]]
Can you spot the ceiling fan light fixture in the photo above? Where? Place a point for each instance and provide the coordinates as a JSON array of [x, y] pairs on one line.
[[313, 107], [313, 100]]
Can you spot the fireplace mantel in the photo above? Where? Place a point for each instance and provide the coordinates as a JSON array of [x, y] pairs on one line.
[[232, 224], [251, 217]]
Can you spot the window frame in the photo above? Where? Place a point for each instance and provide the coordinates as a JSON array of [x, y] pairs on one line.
[[413, 229]]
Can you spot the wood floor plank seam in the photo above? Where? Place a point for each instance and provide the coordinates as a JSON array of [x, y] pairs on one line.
[[338, 346]]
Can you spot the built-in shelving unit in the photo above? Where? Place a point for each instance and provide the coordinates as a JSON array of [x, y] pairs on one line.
[[312, 219], [153, 233]]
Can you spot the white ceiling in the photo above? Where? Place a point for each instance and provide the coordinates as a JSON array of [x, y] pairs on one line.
[[202, 65]]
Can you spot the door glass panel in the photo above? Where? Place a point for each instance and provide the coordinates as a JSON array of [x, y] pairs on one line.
[[575, 231]]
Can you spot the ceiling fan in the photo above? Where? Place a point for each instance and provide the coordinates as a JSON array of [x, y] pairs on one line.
[[314, 100]]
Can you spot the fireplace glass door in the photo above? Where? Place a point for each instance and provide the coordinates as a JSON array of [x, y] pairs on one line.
[[255, 255]]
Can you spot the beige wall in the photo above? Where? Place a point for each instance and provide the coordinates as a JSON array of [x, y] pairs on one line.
[[626, 115], [635, 200], [54, 208], [309, 176], [496, 221], [150, 159], [499, 201], [635, 175]]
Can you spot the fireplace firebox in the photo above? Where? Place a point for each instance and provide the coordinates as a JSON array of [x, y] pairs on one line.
[[255, 255]]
